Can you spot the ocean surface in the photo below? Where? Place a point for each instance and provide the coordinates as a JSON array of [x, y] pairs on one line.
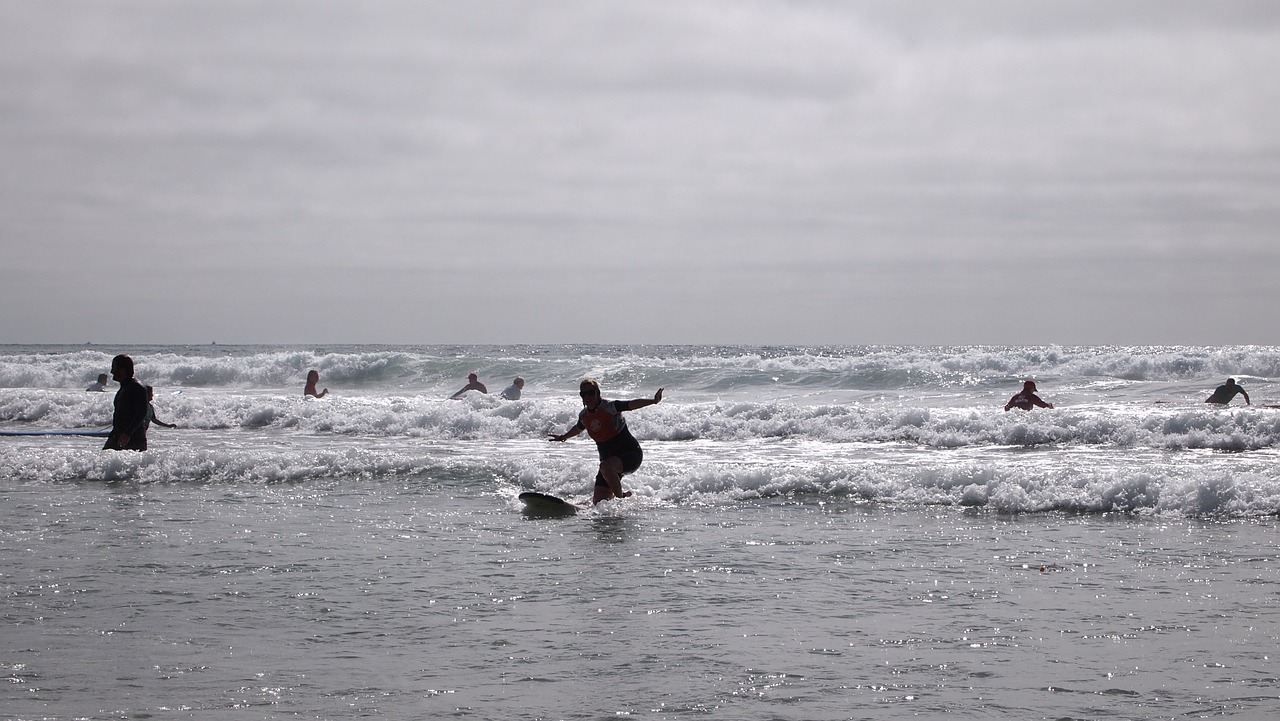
[[816, 533]]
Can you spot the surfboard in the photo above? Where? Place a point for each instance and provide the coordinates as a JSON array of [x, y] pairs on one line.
[[72, 432], [542, 504]]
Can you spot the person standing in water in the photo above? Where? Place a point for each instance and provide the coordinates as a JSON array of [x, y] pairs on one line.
[[313, 377], [620, 453], [129, 421], [1223, 394], [1026, 399], [151, 411]]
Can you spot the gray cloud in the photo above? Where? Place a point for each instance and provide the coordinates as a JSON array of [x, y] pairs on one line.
[[729, 171]]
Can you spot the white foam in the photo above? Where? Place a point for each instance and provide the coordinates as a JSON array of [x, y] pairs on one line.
[[896, 426]]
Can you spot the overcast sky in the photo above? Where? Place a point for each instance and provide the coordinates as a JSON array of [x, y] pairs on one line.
[[640, 172]]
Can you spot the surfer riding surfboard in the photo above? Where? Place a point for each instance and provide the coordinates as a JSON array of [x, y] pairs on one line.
[[619, 451]]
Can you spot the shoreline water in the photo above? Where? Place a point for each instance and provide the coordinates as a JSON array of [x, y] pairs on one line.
[[406, 598]]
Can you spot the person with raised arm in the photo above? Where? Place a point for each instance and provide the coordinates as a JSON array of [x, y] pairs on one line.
[[620, 452]]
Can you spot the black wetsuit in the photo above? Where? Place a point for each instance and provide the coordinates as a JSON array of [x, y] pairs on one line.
[[1223, 394], [618, 439], [130, 416], [626, 448], [1026, 400]]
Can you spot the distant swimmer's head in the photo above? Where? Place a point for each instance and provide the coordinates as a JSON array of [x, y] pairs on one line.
[[313, 376], [103, 378], [1028, 385], [519, 382], [1231, 381], [473, 377]]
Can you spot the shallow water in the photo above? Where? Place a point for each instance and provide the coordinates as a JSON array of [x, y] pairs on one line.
[[416, 598]]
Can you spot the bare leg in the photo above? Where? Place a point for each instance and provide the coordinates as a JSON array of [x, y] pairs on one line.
[[611, 471]]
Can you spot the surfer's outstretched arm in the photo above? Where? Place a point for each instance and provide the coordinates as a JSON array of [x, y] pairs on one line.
[[642, 402], [577, 428]]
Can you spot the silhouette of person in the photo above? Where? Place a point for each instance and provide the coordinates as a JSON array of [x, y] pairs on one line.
[[151, 411], [512, 392], [620, 453], [1223, 394], [101, 385], [129, 421], [1026, 399], [473, 384], [313, 377]]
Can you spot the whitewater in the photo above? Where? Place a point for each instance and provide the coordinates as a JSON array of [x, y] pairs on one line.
[[815, 533]]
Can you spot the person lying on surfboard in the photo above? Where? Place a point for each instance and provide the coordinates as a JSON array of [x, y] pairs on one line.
[[620, 453]]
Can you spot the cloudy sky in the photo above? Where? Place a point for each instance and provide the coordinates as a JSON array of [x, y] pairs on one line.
[[640, 172]]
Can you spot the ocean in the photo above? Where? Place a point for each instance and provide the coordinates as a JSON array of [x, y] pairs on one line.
[[815, 533]]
